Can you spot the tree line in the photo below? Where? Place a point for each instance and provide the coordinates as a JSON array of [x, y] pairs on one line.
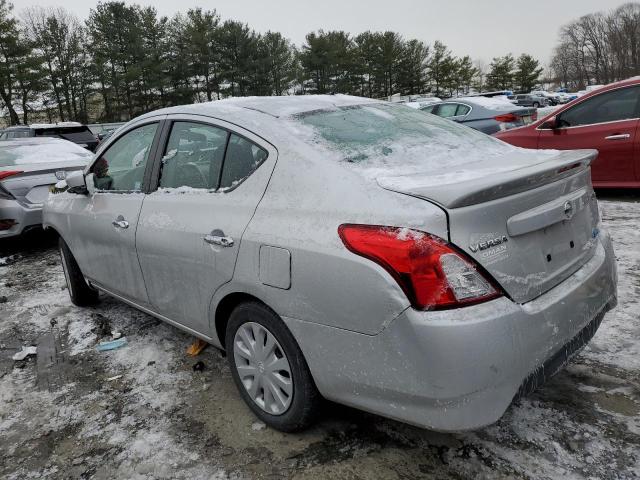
[[599, 48], [124, 60]]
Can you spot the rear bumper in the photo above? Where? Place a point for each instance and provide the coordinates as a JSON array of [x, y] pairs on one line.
[[460, 369], [25, 217]]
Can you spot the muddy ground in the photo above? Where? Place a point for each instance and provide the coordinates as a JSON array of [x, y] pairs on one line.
[[64, 415]]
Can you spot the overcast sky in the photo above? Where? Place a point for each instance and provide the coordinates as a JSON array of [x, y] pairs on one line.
[[480, 28]]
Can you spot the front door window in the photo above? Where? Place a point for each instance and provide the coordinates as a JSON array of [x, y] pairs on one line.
[[121, 168]]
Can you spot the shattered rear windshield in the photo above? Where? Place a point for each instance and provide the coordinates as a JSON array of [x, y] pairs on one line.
[[378, 130]]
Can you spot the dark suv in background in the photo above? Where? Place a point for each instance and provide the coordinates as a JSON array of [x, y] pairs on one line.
[[72, 131]]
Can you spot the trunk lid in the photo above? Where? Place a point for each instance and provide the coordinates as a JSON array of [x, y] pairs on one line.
[[32, 184], [529, 222]]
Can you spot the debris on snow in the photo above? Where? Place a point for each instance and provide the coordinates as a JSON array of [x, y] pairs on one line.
[[196, 347], [24, 353], [112, 345], [257, 426], [199, 367]]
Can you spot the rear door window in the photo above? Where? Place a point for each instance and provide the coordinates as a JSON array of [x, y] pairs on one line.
[[463, 110], [193, 156], [241, 159], [615, 105], [447, 110]]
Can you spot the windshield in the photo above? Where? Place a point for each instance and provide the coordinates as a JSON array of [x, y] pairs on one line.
[[399, 136]]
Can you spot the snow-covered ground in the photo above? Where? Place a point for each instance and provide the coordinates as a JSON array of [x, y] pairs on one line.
[[162, 419]]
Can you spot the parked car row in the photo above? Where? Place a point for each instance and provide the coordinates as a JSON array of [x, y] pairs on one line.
[[605, 119]]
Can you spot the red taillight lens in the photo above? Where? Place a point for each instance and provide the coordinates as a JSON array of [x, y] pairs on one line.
[[7, 223], [432, 274], [506, 118], [534, 116], [8, 173]]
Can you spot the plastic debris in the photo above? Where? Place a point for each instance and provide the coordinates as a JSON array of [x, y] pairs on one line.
[[257, 426], [111, 379], [199, 367], [112, 345], [116, 335], [24, 353], [196, 347]]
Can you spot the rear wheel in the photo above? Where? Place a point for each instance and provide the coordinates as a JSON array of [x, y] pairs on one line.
[[269, 369], [536, 104], [81, 293]]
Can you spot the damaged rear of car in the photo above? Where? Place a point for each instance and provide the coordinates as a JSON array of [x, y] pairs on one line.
[[517, 284]]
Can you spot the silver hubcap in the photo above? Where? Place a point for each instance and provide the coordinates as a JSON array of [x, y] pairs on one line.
[[263, 368]]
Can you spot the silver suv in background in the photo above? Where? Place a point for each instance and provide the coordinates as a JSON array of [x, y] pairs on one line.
[[345, 248], [529, 100]]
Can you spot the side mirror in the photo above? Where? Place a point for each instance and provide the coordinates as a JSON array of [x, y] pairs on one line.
[[549, 124], [76, 183]]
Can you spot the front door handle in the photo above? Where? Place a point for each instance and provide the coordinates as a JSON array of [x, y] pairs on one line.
[[619, 136], [217, 237], [120, 222]]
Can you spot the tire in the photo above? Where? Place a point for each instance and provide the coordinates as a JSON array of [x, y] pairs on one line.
[[535, 105], [303, 404], [82, 295]]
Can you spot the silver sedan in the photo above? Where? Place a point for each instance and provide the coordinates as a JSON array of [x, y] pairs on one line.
[[29, 167], [347, 249]]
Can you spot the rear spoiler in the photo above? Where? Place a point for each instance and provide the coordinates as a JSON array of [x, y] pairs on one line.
[[504, 184]]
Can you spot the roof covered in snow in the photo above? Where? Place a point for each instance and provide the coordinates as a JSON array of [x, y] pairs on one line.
[[283, 106]]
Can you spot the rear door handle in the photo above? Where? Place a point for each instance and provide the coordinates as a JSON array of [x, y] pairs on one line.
[[218, 238], [120, 222], [619, 136]]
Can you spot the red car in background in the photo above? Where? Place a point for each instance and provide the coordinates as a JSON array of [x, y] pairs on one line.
[[606, 119]]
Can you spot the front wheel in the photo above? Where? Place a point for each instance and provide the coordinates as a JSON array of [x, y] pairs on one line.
[[536, 104], [269, 369], [81, 293]]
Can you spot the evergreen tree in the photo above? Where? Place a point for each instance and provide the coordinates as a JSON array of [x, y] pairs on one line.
[[412, 66], [527, 74], [11, 51], [441, 68], [501, 73]]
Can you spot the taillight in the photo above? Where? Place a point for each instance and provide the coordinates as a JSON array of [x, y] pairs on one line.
[[8, 173], [429, 270], [534, 116], [506, 118], [4, 193], [7, 223]]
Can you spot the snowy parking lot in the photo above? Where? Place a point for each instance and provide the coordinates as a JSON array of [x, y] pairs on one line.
[[143, 411]]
